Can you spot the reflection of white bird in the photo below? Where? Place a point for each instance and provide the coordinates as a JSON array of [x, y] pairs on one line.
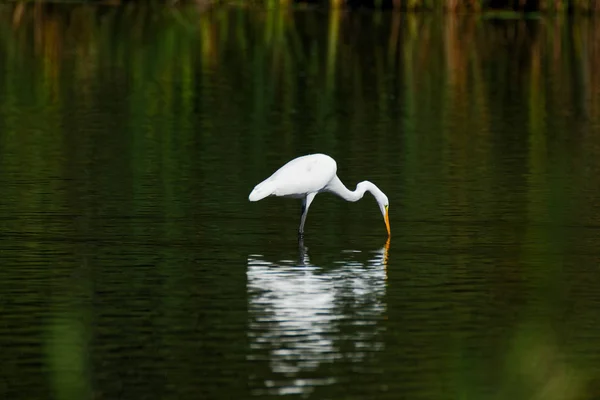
[[304, 177], [298, 312]]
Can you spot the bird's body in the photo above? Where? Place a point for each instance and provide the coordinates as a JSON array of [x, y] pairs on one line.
[[297, 178], [306, 176]]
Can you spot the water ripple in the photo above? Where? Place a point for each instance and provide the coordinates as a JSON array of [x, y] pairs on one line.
[[304, 315]]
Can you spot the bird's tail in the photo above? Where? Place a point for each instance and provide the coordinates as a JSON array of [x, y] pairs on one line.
[[262, 190]]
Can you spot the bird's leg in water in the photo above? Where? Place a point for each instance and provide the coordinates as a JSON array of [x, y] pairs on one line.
[[302, 219], [302, 252], [305, 204]]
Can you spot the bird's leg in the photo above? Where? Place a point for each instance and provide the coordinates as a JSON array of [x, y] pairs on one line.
[[305, 204], [302, 251], [302, 219]]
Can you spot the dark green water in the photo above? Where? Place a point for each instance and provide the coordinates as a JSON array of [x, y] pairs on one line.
[[134, 267]]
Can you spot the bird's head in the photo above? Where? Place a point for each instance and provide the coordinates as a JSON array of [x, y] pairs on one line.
[[382, 200], [384, 206]]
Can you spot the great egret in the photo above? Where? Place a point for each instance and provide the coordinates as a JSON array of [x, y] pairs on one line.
[[304, 177]]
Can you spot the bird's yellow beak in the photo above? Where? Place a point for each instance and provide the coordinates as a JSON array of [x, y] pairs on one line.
[[387, 220]]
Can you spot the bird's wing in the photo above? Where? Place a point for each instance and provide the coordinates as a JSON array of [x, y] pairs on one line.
[[303, 175]]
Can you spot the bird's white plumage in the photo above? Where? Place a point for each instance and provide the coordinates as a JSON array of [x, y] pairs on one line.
[[297, 178], [305, 176]]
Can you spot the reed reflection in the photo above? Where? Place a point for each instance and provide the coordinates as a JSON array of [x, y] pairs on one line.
[[304, 315]]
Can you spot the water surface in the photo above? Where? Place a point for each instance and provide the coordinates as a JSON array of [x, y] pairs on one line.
[[134, 267]]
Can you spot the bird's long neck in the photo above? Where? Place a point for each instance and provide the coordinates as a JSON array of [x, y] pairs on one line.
[[337, 187]]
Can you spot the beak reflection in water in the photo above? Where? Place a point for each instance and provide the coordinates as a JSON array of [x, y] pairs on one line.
[[298, 310]]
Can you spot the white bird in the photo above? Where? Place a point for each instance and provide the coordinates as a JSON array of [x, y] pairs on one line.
[[304, 177]]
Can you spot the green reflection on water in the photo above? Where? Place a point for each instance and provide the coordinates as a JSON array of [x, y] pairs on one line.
[[131, 136]]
